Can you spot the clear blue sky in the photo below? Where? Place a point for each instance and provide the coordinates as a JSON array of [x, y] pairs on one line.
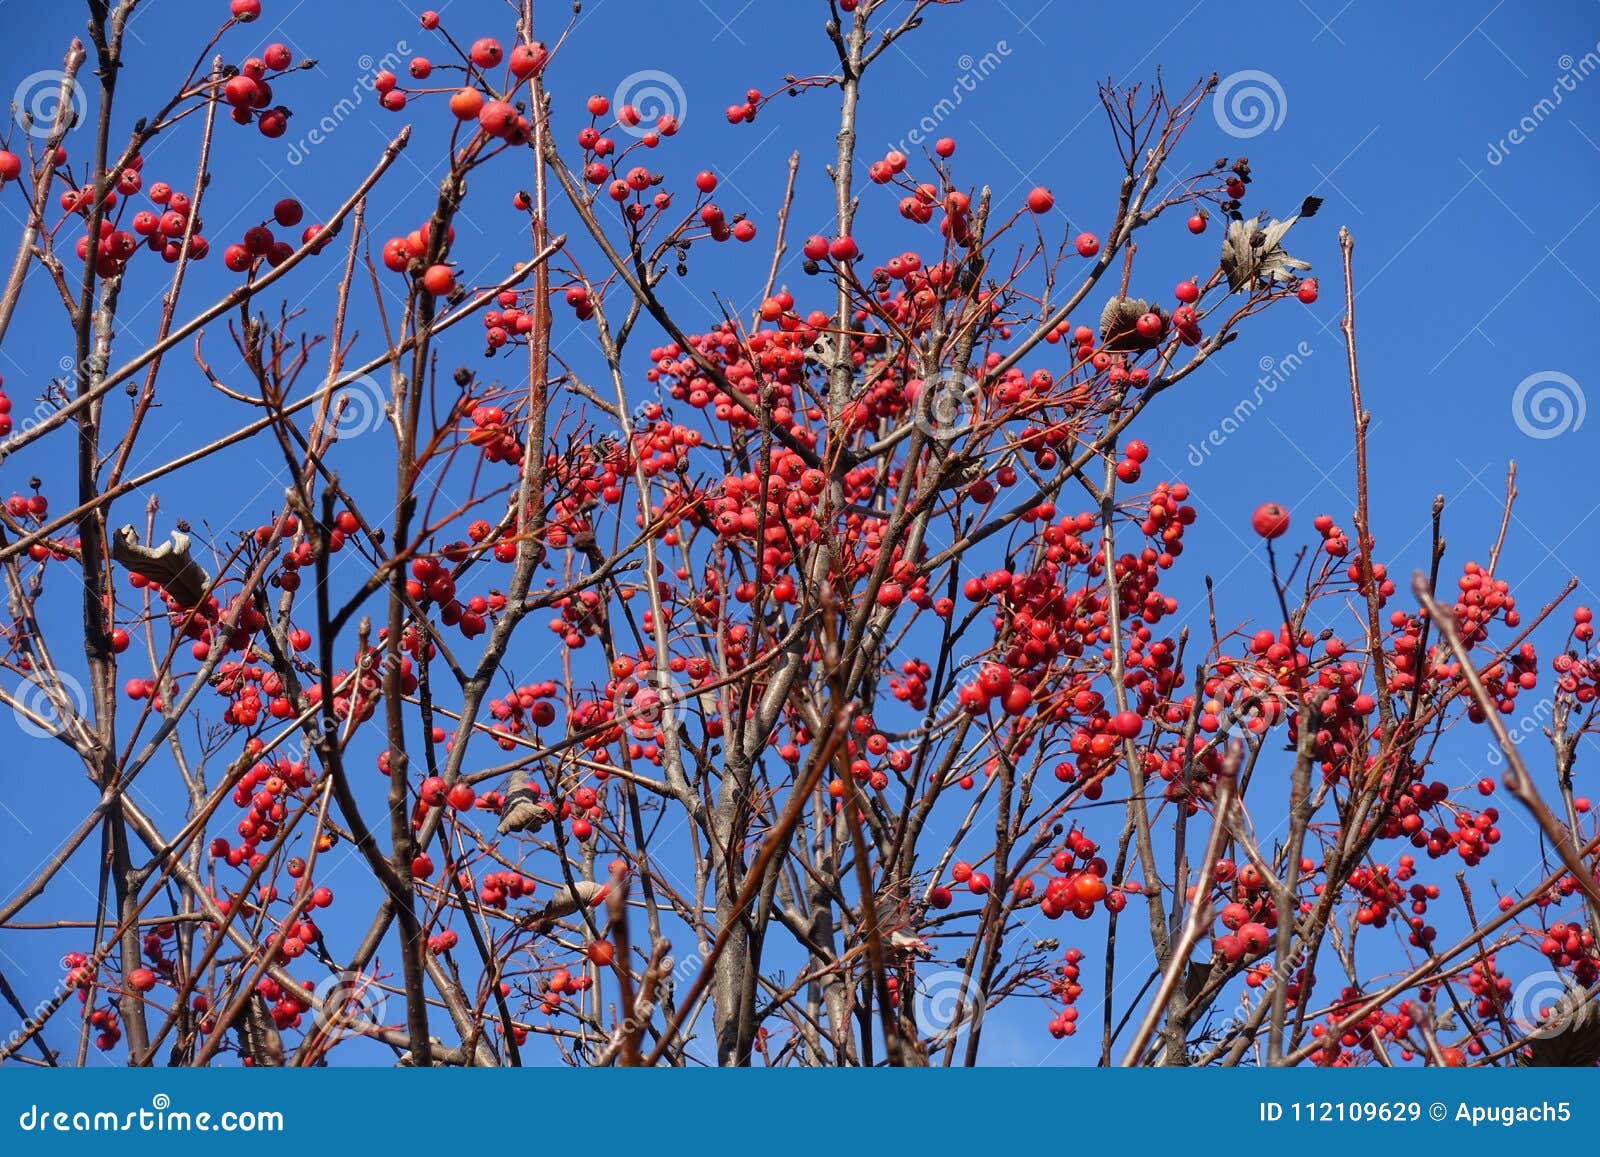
[[1475, 253]]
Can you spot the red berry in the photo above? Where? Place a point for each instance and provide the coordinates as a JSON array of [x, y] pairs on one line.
[[497, 118], [527, 59], [1040, 200], [486, 53], [1255, 936], [1270, 520], [240, 91], [141, 980], [1090, 889], [439, 280], [1150, 325], [1087, 244], [466, 104]]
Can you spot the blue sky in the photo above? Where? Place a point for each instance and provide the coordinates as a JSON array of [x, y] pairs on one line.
[[1459, 142]]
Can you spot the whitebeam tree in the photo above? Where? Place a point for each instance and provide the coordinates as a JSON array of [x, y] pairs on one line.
[[798, 682]]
